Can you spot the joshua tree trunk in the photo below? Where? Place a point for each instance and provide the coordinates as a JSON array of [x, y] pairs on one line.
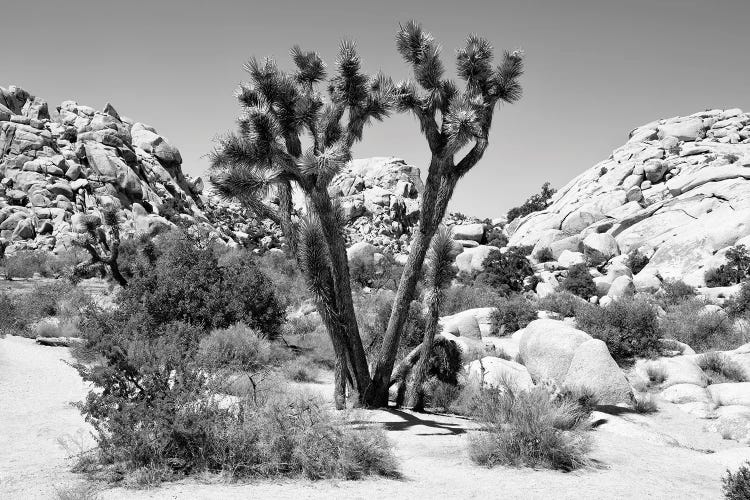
[[437, 194], [416, 399], [357, 359]]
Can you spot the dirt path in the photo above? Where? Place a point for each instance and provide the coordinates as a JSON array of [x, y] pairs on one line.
[[660, 456], [36, 388]]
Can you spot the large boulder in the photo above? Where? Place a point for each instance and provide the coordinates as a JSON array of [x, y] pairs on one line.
[[472, 259], [473, 232], [547, 348], [600, 247], [500, 373], [733, 393], [682, 203], [472, 323], [592, 367]]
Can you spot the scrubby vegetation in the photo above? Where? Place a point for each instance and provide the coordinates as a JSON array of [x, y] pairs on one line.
[[720, 369], [514, 313], [563, 303], [506, 272], [629, 327], [736, 485], [170, 357], [534, 203], [700, 326], [675, 292], [579, 281], [736, 270], [528, 428]]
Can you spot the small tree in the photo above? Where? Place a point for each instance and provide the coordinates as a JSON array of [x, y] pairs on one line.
[[438, 277], [534, 203], [101, 239], [579, 281], [450, 119], [506, 271], [267, 156]]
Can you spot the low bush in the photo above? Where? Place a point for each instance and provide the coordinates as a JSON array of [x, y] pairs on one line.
[[719, 368], [545, 255], [675, 292], [534, 203], [528, 428], [514, 313], [629, 327], [736, 486], [27, 263], [739, 305], [239, 348], [13, 322], [505, 272], [637, 261], [579, 281], [462, 297], [701, 329], [736, 270], [301, 369], [563, 303]]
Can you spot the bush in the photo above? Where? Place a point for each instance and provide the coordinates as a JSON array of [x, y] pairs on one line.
[[739, 305], [736, 270], [564, 303], [719, 368], [579, 282], [14, 323], [644, 403], [629, 327], [702, 330], [238, 347], [534, 203], [461, 297], [301, 369], [675, 292], [545, 255], [186, 283], [21, 311], [528, 428], [514, 313], [27, 263], [637, 261], [736, 486], [506, 272]]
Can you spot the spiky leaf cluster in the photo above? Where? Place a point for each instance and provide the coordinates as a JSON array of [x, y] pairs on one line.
[[282, 110], [465, 115], [440, 258]]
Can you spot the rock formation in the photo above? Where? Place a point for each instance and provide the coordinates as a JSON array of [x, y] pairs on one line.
[[677, 192]]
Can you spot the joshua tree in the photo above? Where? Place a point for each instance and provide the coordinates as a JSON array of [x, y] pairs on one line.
[[438, 277], [450, 120], [101, 239], [266, 156]]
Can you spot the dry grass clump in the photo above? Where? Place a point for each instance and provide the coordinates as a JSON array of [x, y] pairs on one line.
[[719, 368], [529, 428], [82, 491], [645, 403], [301, 369], [656, 374]]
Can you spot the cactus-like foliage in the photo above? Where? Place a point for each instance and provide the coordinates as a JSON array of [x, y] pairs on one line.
[[451, 119], [100, 237], [265, 157]]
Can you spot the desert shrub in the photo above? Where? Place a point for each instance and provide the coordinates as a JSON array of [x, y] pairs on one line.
[[736, 486], [462, 297], [675, 292], [563, 303], [656, 374], [289, 284], [545, 255], [644, 403], [534, 203], [498, 240], [57, 328], [186, 283], [528, 428], [442, 395], [699, 328], [301, 325], [238, 347], [514, 313], [637, 261], [506, 272], [301, 369], [739, 305], [579, 282], [719, 368], [734, 271], [83, 491], [13, 323], [629, 327]]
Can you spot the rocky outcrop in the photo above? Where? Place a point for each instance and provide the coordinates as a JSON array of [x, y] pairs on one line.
[[52, 169], [676, 192]]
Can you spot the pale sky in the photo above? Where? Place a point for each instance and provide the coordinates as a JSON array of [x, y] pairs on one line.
[[595, 69]]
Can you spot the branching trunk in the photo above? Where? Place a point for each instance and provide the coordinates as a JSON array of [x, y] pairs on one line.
[[416, 399]]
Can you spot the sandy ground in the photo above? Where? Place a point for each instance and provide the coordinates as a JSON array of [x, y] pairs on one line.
[[39, 429], [662, 456]]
